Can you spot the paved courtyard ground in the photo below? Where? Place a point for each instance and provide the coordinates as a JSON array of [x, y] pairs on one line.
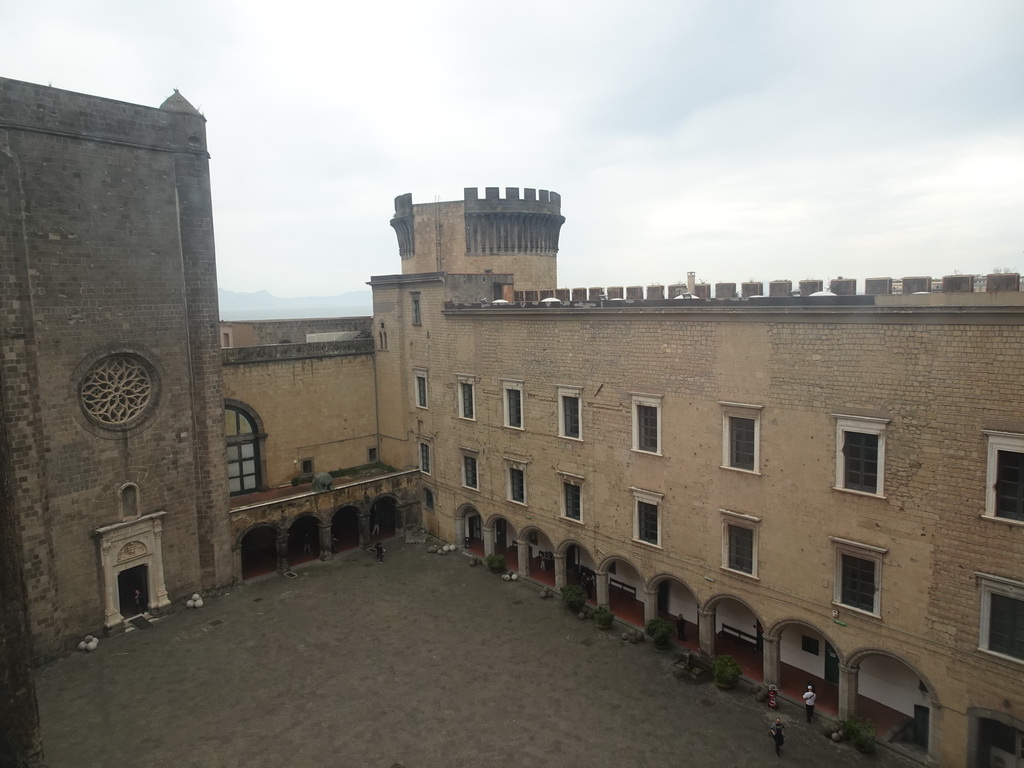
[[422, 662]]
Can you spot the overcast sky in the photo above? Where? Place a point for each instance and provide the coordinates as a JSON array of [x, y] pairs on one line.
[[737, 139]]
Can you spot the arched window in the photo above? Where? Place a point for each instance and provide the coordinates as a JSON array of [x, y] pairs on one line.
[[243, 451]]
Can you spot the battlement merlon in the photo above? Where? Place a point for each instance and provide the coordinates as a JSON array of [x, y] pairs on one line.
[[531, 201]]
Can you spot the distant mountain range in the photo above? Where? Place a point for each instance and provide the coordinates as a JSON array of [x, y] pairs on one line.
[[262, 305]]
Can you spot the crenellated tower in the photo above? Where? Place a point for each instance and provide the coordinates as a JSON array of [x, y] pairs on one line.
[[516, 234]]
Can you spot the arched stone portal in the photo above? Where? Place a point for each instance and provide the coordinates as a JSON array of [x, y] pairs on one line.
[[576, 566], [669, 598], [799, 655], [345, 529], [729, 625], [383, 519], [893, 695], [621, 587], [259, 551], [503, 538], [303, 540], [469, 526], [537, 556]]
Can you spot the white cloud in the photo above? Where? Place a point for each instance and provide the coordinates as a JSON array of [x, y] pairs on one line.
[[737, 139]]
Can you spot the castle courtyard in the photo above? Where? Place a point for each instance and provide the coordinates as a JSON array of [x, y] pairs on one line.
[[420, 662]]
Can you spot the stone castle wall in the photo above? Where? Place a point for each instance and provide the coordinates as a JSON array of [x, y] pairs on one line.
[[107, 249]]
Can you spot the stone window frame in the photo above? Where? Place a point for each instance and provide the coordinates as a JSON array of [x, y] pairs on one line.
[[998, 441], [417, 309], [740, 411], [515, 465], [428, 498], [654, 499], [421, 388], [513, 385], [425, 456], [122, 496], [647, 401], [568, 391], [257, 438], [471, 454], [568, 478], [847, 547], [466, 380], [989, 585], [867, 425], [732, 519]]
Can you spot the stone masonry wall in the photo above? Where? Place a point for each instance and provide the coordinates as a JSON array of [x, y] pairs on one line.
[[108, 248], [319, 408], [940, 377]]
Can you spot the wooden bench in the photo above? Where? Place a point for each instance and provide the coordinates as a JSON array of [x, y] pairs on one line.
[[739, 634], [614, 584]]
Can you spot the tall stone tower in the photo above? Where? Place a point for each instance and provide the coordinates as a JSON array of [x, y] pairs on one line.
[[511, 235], [111, 381]]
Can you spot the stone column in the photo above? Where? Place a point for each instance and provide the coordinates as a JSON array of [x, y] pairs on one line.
[[847, 691], [488, 534], [706, 630], [770, 657], [650, 604], [523, 549], [364, 528], [282, 552], [559, 570], [158, 597], [325, 541], [602, 589]]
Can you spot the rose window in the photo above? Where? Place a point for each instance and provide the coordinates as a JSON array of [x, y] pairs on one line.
[[116, 390]]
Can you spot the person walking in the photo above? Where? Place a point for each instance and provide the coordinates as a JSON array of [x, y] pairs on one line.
[[776, 731], [809, 698], [380, 552]]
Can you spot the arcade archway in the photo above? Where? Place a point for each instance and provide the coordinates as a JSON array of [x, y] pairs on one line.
[[259, 551]]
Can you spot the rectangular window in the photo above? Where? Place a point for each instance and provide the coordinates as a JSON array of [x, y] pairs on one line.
[[741, 436], [858, 586], [517, 484], [741, 549], [858, 577], [425, 458], [513, 404], [417, 318], [741, 449], [469, 473], [467, 398], [569, 404], [572, 499], [307, 466], [428, 498], [1002, 616], [739, 542], [647, 423], [1004, 497], [860, 454], [647, 521], [421, 389], [371, 455]]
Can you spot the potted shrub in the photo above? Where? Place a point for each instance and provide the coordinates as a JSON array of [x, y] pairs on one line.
[[859, 732], [496, 563], [574, 598], [726, 671], [660, 631], [603, 617]]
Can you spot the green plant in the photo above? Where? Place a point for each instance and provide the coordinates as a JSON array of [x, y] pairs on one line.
[[495, 562], [859, 732], [726, 670], [603, 617], [660, 631], [574, 597]]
